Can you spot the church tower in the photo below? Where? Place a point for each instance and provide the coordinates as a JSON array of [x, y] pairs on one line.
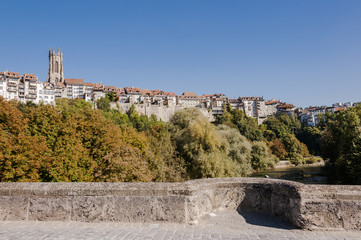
[[56, 73]]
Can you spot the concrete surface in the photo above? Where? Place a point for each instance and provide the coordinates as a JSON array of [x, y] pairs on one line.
[[226, 225]]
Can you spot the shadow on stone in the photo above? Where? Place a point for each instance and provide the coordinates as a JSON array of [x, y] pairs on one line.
[[268, 205], [265, 220]]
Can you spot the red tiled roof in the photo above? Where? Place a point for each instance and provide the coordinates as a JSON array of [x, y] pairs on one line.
[[189, 94], [89, 84], [251, 98], [74, 81], [98, 86], [30, 76], [146, 92], [286, 106], [169, 93], [337, 109], [189, 97], [60, 84], [271, 102], [132, 90], [110, 88], [12, 74]]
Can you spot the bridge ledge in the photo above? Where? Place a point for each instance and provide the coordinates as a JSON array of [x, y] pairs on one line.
[[305, 206]]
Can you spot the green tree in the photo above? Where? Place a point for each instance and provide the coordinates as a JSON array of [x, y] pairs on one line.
[[112, 97], [293, 146], [261, 156], [163, 159], [103, 104], [247, 126], [311, 136], [206, 150], [341, 144], [237, 147]]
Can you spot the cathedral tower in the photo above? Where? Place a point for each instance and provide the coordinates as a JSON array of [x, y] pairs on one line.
[[56, 73]]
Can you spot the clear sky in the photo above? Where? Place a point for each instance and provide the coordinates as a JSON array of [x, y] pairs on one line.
[[305, 52]]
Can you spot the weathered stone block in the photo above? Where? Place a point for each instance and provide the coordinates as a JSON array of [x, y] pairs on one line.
[[13, 208], [49, 208]]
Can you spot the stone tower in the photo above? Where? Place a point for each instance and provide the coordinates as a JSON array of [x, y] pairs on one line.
[[56, 73]]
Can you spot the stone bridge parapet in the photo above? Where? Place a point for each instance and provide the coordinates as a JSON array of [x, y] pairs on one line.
[[305, 206]]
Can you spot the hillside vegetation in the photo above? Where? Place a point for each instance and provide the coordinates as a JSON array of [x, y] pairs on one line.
[[73, 142]]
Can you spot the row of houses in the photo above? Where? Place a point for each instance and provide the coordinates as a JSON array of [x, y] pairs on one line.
[[27, 87], [310, 116]]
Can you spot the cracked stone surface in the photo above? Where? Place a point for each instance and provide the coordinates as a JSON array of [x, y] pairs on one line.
[[228, 225]]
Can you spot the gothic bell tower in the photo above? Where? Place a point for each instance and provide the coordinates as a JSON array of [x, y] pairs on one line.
[[56, 73]]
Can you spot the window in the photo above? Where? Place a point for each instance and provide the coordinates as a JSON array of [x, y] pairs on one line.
[[56, 66]]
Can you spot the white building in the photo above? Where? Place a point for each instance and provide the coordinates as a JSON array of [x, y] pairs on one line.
[[9, 85], [189, 100], [74, 88]]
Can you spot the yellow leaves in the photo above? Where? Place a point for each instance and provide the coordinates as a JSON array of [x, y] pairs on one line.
[[124, 163]]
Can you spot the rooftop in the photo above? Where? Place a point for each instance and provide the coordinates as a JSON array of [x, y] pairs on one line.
[[74, 81]]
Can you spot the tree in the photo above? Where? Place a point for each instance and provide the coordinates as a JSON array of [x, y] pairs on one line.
[[341, 144], [311, 136], [237, 147], [209, 151], [261, 157], [112, 97], [282, 125], [293, 146], [22, 156], [163, 159], [278, 148], [247, 126], [103, 104]]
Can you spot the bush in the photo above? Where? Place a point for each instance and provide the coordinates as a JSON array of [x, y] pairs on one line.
[[313, 160], [297, 159]]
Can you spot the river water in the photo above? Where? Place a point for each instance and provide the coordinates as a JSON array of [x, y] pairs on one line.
[[303, 174]]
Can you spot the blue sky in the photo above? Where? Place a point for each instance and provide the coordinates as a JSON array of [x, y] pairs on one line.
[[306, 52]]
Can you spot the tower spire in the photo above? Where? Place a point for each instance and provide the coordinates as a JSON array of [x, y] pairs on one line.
[[55, 73]]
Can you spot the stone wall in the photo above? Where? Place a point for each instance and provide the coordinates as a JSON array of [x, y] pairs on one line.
[[163, 113], [305, 206]]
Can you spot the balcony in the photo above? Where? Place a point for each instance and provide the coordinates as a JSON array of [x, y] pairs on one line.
[[32, 85], [12, 89], [32, 91], [32, 96], [12, 84]]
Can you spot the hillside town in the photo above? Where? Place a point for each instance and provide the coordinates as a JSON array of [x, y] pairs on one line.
[[27, 87]]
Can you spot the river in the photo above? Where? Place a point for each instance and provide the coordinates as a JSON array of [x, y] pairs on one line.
[[303, 174]]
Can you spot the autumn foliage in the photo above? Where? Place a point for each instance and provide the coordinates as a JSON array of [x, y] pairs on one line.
[[74, 142]]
